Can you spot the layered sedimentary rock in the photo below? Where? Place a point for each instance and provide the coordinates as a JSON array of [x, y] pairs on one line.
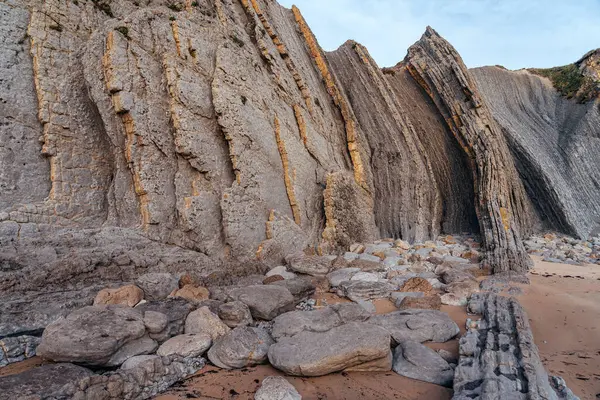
[[503, 208], [555, 143], [215, 138], [498, 359]]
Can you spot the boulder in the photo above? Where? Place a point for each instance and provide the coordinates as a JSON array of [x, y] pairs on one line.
[[397, 297], [176, 310], [418, 325], [416, 361], [432, 302], [42, 382], [265, 301], [205, 321], [234, 314], [282, 271], [450, 299], [343, 347], [292, 323], [417, 284], [367, 265], [301, 287], [157, 286], [463, 289], [451, 275], [276, 388], [365, 277], [242, 347], [360, 290], [186, 345], [155, 321], [338, 276], [309, 265], [128, 295], [192, 293], [96, 336]]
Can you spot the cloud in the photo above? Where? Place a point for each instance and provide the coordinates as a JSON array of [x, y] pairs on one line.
[[513, 33]]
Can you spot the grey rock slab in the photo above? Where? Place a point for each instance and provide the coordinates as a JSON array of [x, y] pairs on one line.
[[281, 271], [41, 382], [234, 314], [276, 388], [418, 325], [205, 321], [243, 346], [361, 290], [186, 345], [292, 323], [369, 257], [514, 358], [320, 353], [92, 335], [143, 345], [301, 287], [19, 348], [176, 309], [309, 265], [416, 361], [341, 275], [157, 286], [265, 301]]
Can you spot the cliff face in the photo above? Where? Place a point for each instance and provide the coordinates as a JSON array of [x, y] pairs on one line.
[[555, 143], [217, 137]]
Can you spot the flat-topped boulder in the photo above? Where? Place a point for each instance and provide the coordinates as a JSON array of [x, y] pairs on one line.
[[418, 325], [242, 347], [362, 290], [416, 361], [349, 346], [309, 265], [96, 336], [265, 301], [294, 322], [186, 345]]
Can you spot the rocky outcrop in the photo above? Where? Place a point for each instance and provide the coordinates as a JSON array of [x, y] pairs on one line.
[[498, 358], [213, 139], [503, 208], [555, 142]]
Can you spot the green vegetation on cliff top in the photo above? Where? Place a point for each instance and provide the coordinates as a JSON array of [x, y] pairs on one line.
[[570, 82]]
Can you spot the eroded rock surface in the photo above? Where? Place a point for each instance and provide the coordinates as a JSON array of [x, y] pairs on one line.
[[499, 359]]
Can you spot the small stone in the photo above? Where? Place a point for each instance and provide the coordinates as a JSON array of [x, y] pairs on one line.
[[155, 322], [309, 265], [187, 279], [282, 271], [235, 314], [361, 290], [401, 244], [357, 248], [367, 305], [341, 275], [204, 321], [417, 285], [186, 345], [266, 301], [369, 257], [365, 277], [349, 256], [192, 293], [157, 286], [423, 303], [272, 278], [366, 265], [450, 299], [276, 388], [416, 361], [129, 295], [242, 347]]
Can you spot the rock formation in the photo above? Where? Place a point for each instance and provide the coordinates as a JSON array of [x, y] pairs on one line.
[[216, 138]]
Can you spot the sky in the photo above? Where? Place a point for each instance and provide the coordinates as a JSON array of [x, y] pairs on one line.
[[513, 33]]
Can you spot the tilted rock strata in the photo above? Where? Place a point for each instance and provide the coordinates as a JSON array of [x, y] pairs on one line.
[[555, 143], [499, 359], [217, 138], [503, 208]]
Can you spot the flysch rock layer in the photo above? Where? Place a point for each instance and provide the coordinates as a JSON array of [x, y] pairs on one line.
[[498, 358], [216, 138]]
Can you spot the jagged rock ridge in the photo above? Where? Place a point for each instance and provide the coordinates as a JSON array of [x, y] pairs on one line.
[[216, 136]]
